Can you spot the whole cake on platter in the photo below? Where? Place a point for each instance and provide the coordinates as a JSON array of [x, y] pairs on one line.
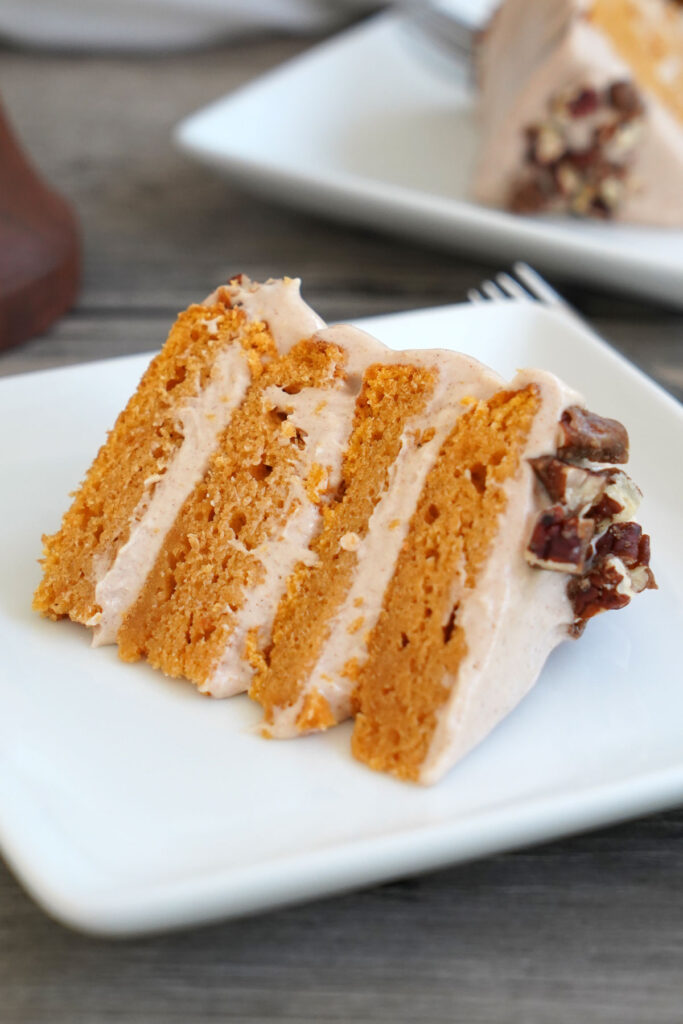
[[581, 109], [342, 529]]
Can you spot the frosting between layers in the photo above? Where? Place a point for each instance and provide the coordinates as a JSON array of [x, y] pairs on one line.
[[200, 420], [377, 552], [325, 416], [505, 650]]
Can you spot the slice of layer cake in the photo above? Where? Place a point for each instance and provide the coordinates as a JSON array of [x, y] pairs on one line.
[[581, 109], [346, 530]]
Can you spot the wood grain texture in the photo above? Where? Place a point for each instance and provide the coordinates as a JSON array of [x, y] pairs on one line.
[[584, 930]]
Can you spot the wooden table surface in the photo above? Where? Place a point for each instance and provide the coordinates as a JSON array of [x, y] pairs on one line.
[[589, 929]]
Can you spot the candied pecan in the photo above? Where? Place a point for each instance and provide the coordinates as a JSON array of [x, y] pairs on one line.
[[621, 539], [624, 97], [628, 543], [528, 197], [620, 570], [568, 179], [585, 435], [642, 578], [601, 589], [611, 190], [571, 485], [548, 145], [582, 159], [619, 502], [585, 102], [626, 136], [600, 209], [559, 541], [604, 509]]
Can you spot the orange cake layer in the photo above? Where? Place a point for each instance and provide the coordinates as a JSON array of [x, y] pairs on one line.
[[650, 40], [417, 644], [389, 398], [137, 453], [189, 605]]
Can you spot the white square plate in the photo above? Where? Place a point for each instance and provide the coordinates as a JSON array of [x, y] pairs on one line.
[[131, 803], [373, 127]]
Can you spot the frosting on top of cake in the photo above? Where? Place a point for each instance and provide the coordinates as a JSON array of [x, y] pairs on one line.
[[278, 303]]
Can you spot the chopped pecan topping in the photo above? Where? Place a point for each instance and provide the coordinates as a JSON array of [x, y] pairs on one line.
[[620, 570], [628, 542], [579, 154], [585, 435], [606, 509], [585, 102], [560, 541], [588, 533], [601, 589], [548, 145], [619, 501], [572, 486], [625, 98], [527, 197]]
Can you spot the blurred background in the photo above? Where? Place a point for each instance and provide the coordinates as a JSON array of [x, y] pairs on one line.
[[93, 92]]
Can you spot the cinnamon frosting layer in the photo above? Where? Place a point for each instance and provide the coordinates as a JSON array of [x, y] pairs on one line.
[[516, 615], [458, 377], [278, 303]]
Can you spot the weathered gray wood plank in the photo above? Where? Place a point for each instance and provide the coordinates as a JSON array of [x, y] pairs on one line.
[[585, 930]]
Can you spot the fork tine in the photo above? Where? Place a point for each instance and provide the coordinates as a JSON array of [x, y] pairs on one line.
[[493, 292], [513, 288], [538, 287], [526, 286]]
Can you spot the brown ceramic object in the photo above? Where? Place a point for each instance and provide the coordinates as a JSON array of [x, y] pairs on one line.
[[39, 247]]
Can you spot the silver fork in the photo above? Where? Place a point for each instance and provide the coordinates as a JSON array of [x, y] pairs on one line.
[[525, 286]]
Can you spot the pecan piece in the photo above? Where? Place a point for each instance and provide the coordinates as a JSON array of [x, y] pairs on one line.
[[583, 103], [628, 543], [560, 541], [585, 435], [527, 198], [624, 97], [548, 145], [573, 486], [606, 587], [620, 570], [619, 502]]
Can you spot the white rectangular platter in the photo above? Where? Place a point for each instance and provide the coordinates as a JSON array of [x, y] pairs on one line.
[[130, 803], [375, 128]]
